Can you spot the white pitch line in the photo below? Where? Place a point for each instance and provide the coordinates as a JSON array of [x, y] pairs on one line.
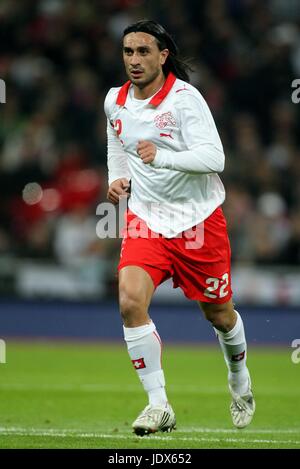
[[241, 431], [102, 387], [188, 430], [65, 433]]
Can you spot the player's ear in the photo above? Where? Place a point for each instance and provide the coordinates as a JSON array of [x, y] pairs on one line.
[[163, 56]]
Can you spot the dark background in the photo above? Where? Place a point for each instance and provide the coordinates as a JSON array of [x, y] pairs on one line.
[[58, 59]]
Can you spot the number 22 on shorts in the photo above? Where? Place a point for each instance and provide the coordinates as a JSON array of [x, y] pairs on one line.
[[215, 285]]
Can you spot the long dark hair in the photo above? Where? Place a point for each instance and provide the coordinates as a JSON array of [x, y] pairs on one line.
[[164, 40]]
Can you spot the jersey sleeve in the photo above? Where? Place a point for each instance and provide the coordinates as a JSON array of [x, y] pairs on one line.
[[116, 156], [204, 152]]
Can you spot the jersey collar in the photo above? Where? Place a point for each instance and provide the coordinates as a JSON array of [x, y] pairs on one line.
[[156, 99]]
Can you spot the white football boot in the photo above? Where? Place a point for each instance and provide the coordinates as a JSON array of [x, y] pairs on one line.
[[242, 408], [153, 419]]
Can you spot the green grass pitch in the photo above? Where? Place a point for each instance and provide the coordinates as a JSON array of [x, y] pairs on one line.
[[78, 395]]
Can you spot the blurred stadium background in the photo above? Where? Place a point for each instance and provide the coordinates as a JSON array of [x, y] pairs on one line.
[[58, 59]]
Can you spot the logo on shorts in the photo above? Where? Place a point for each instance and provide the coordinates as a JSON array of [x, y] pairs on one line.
[[139, 364], [238, 357], [163, 120]]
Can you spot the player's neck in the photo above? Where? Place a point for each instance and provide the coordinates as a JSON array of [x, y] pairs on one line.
[[150, 89]]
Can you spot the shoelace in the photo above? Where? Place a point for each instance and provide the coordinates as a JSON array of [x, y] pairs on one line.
[[241, 405], [150, 412]]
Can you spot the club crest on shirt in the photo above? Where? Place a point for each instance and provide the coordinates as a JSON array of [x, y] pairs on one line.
[[163, 120]]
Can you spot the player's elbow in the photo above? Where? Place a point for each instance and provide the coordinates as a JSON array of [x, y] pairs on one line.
[[213, 159], [221, 166], [219, 162]]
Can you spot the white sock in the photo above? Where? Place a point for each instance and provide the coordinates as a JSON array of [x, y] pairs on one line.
[[234, 347], [144, 348]]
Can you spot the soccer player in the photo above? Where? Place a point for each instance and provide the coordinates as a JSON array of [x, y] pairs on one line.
[[164, 155]]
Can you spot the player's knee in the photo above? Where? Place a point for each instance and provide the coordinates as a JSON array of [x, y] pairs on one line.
[[222, 322], [221, 316], [131, 305]]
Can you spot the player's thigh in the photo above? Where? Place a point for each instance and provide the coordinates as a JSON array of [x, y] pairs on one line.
[[136, 288]]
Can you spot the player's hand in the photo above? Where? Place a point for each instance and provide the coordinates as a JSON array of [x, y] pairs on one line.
[[146, 150], [118, 188]]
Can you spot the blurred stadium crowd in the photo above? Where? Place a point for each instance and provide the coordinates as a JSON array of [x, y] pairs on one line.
[[59, 58]]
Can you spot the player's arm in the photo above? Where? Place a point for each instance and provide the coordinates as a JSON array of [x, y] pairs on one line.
[[205, 151], [118, 172]]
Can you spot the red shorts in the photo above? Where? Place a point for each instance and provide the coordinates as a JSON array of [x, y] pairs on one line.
[[201, 270]]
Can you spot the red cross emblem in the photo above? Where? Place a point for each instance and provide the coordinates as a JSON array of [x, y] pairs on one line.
[[139, 364], [238, 357]]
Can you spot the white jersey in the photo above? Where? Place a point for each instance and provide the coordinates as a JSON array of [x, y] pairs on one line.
[[181, 187]]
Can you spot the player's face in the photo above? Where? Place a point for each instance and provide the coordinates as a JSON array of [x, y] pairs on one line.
[[142, 58]]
